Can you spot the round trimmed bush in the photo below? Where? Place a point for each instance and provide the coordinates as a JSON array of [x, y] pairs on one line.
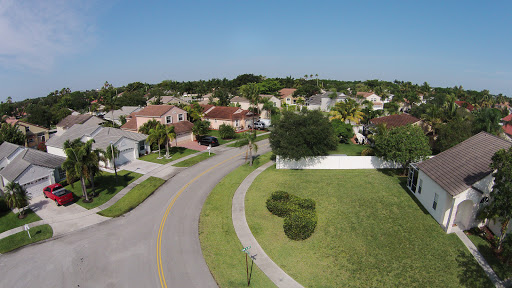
[[300, 225], [368, 152], [280, 196], [227, 131], [308, 204]]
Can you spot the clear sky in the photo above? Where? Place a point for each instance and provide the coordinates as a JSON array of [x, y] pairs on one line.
[[48, 45]]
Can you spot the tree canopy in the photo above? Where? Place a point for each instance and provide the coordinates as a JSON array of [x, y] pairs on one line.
[[11, 134]]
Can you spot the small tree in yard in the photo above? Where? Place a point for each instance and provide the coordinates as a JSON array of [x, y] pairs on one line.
[[500, 206], [248, 140], [16, 197], [111, 154], [404, 145], [227, 131], [299, 135], [342, 130], [201, 128]]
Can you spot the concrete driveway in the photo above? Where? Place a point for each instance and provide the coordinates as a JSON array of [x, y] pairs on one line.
[[140, 166]]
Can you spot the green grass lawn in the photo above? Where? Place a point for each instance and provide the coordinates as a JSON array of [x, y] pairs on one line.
[[258, 138], [219, 243], [370, 233], [19, 239], [194, 160], [175, 152], [105, 186], [502, 270], [133, 198], [9, 220], [215, 133], [350, 149]]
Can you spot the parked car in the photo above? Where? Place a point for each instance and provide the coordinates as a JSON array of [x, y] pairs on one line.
[[58, 194], [259, 125], [209, 140]]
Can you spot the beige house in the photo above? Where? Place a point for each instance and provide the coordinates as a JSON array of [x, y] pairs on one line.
[[35, 134], [287, 96], [236, 117], [244, 104]]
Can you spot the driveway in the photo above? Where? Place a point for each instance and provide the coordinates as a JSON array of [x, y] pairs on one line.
[[193, 145], [140, 166]]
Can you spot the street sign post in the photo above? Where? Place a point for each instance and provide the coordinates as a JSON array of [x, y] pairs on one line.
[[246, 251], [27, 228]]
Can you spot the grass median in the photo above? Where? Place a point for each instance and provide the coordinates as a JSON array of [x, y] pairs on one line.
[[20, 239], [219, 243], [133, 198], [194, 160]]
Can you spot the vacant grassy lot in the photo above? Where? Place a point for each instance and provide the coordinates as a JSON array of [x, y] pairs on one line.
[[105, 186], [19, 239], [9, 220], [220, 245], [133, 198], [370, 233], [194, 160], [175, 152], [350, 149], [502, 270]]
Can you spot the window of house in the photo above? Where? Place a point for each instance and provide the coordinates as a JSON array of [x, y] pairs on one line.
[[142, 146], [180, 117], [412, 178], [436, 198], [237, 122], [419, 186], [168, 119]]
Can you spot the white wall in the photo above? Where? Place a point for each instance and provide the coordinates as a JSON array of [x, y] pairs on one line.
[[55, 151], [336, 162]]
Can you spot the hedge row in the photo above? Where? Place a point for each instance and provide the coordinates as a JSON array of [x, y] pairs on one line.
[[300, 215]]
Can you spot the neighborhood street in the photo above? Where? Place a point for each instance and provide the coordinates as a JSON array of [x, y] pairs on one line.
[[123, 252]]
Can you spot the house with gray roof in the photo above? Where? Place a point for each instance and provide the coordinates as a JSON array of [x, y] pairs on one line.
[[453, 185], [125, 111], [324, 102], [130, 144], [32, 169], [71, 120]]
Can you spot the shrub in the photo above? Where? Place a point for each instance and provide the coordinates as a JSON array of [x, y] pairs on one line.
[[368, 152], [280, 196], [300, 225], [227, 131], [307, 204]]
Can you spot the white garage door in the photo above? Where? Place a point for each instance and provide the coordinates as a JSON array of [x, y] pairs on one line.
[[35, 188], [125, 156], [182, 138]]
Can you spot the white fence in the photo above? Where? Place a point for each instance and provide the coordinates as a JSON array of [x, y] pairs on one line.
[[337, 162]]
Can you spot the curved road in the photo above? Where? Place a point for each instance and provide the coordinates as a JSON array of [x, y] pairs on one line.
[[123, 252]]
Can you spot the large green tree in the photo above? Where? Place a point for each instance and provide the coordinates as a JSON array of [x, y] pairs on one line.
[[342, 130], [299, 135], [488, 120], [404, 145], [11, 134], [452, 133]]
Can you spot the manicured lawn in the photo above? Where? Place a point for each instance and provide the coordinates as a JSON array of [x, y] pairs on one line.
[[105, 186], [9, 220], [350, 149], [133, 198], [19, 239], [370, 233], [194, 160], [502, 270], [175, 152], [215, 133], [220, 245], [258, 138]]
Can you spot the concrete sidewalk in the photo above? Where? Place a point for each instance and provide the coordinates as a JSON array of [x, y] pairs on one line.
[[273, 272]]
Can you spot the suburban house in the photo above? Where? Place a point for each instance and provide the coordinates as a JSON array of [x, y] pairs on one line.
[[130, 145], [71, 120], [287, 97], [507, 128], [31, 168], [115, 115], [169, 100], [236, 117], [465, 105], [244, 104], [454, 184], [378, 103], [165, 114], [35, 134], [324, 102]]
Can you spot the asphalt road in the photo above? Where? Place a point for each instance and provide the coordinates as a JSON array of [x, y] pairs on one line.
[[122, 252]]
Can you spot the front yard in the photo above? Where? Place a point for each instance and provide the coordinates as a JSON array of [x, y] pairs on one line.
[[370, 233], [10, 220], [175, 152]]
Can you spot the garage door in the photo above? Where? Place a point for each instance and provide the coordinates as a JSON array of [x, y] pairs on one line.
[[182, 138], [35, 188], [125, 156]]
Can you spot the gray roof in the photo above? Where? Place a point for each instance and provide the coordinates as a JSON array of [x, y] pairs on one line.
[[461, 166], [317, 98], [239, 99], [101, 135], [125, 110], [30, 157], [7, 149]]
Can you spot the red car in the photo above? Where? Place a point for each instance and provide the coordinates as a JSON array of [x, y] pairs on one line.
[[57, 193]]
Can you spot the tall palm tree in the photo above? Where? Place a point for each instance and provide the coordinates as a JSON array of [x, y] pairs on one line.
[[77, 163], [269, 107], [157, 135], [248, 140], [170, 135], [93, 166], [251, 92], [16, 197], [146, 127], [111, 153]]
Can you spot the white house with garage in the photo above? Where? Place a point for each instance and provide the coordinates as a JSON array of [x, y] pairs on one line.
[[131, 145], [456, 183], [31, 168]]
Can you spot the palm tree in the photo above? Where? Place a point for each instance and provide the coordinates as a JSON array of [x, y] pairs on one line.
[[16, 197], [347, 110], [170, 135], [248, 140], [77, 163], [146, 127], [111, 154], [93, 166], [269, 107], [251, 92], [157, 135]]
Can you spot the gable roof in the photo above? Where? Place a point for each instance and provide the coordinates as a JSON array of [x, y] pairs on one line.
[[507, 128], [30, 157], [459, 167], [227, 113], [397, 120], [71, 120], [285, 92], [366, 94], [131, 124], [239, 99], [465, 104], [317, 98], [154, 110], [6, 149], [125, 110], [182, 127]]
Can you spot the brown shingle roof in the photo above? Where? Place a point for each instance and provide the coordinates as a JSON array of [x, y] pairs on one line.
[[365, 94], [285, 92], [393, 121], [461, 166], [226, 113], [183, 127], [130, 125], [154, 110], [71, 120]]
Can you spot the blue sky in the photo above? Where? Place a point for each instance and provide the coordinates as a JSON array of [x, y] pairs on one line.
[[48, 45]]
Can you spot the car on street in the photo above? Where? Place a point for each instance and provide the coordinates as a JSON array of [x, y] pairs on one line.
[[58, 194], [209, 140]]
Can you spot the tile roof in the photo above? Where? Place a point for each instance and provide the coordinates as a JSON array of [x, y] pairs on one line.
[[183, 127], [71, 120], [285, 92], [397, 120], [125, 110], [365, 94], [461, 166], [131, 124], [30, 157], [507, 128], [465, 105], [154, 110], [227, 113], [7, 149]]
